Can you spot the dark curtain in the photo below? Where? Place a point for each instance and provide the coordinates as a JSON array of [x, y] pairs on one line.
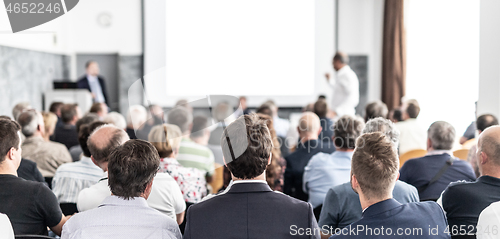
[[393, 54]]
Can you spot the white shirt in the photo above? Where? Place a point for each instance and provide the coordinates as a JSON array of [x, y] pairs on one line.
[[281, 126], [120, 218], [71, 178], [6, 231], [345, 92], [488, 225], [412, 136], [166, 196], [95, 87]]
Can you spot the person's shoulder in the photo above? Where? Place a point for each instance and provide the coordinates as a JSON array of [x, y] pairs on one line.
[[424, 209], [82, 79], [461, 188], [319, 157], [403, 186], [55, 145]]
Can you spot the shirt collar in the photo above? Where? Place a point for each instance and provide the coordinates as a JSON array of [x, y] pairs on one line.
[[249, 181], [91, 78], [489, 180], [438, 152], [118, 201]]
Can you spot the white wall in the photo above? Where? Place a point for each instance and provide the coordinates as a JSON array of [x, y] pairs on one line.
[[360, 33], [489, 58]]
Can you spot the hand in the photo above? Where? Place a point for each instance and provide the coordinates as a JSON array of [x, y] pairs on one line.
[[327, 76], [93, 95]]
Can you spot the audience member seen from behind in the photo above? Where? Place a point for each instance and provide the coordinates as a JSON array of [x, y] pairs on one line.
[[50, 121], [55, 108], [413, 136], [464, 201], [309, 128], [376, 109], [20, 108], [220, 114], [66, 133], [47, 155], [76, 151], [482, 123], [328, 170], [427, 173], [249, 208], [137, 116], [374, 174], [342, 206], [275, 170], [100, 109], [321, 109], [115, 119], [126, 214], [31, 206]]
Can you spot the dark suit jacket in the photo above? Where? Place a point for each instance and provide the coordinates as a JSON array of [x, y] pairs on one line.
[[464, 201], [67, 135], [250, 210], [297, 161], [83, 83], [28, 170], [326, 130], [420, 171], [394, 217]]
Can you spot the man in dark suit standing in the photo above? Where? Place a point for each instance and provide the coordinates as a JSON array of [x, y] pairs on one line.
[[309, 128], [249, 208], [94, 83], [374, 173]]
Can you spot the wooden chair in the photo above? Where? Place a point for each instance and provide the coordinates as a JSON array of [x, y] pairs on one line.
[[416, 153], [461, 153], [218, 180], [469, 143]]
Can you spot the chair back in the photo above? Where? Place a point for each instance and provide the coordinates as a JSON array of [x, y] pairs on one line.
[[416, 153], [469, 143], [461, 153], [218, 179]]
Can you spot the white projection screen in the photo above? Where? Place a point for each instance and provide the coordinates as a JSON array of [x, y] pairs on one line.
[[262, 49]]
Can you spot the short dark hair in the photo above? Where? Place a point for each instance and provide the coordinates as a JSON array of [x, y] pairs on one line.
[[200, 124], [248, 149], [55, 106], [9, 137], [96, 107], [413, 109], [341, 57], [346, 130], [100, 153], [265, 109], [87, 119], [376, 109], [321, 97], [87, 64], [321, 108], [375, 164], [131, 167], [29, 121], [84, 134], [485, 121], [181, 117], [397, 115], [68, 111]]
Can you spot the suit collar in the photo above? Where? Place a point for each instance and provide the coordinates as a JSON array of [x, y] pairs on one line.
[[489, 180], [381, 207], [307, 144], [249, 187]]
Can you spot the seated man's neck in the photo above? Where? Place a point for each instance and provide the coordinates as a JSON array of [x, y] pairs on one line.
[[366, 202], [260, 177], [308, 137]]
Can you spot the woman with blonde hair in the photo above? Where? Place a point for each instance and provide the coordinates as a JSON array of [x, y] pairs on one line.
[[167, 138], [275, 170], [50, 121]]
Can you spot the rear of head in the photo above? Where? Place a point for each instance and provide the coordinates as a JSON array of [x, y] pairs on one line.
[[375, 165], [441, 135], [321, 108], [412, 109], [181, 117], [131, 169], [31, 123], [115, 119], [376, 109], [222, 111], [86, 119], [485, 121], [200, 127], [265, 109], [346, 130], [166, 139], [55, 108], [384, 126], [488, 151], [10, 141], [50, 121], [84, 133], [100, 109], [103, 140], [248, 150], [339, 60], [19, 108], [70, 113], [184, 103], [309, 125], [137, 115], [272, 105]]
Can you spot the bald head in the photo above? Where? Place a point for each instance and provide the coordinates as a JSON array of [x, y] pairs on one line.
[[104, 140], [488, 151], [309, 126]]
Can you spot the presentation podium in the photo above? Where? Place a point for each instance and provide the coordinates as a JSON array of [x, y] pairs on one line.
[[82, 97]]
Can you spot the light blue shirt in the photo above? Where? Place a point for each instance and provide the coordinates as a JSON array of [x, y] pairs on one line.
[[325, 171], [120, 218]]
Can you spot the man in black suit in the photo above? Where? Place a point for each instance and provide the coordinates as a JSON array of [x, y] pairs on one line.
[[374, 173], [94, 83], [249, 208], [309, 128]]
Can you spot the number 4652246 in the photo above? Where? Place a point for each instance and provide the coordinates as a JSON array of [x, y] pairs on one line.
[[33, 8]]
